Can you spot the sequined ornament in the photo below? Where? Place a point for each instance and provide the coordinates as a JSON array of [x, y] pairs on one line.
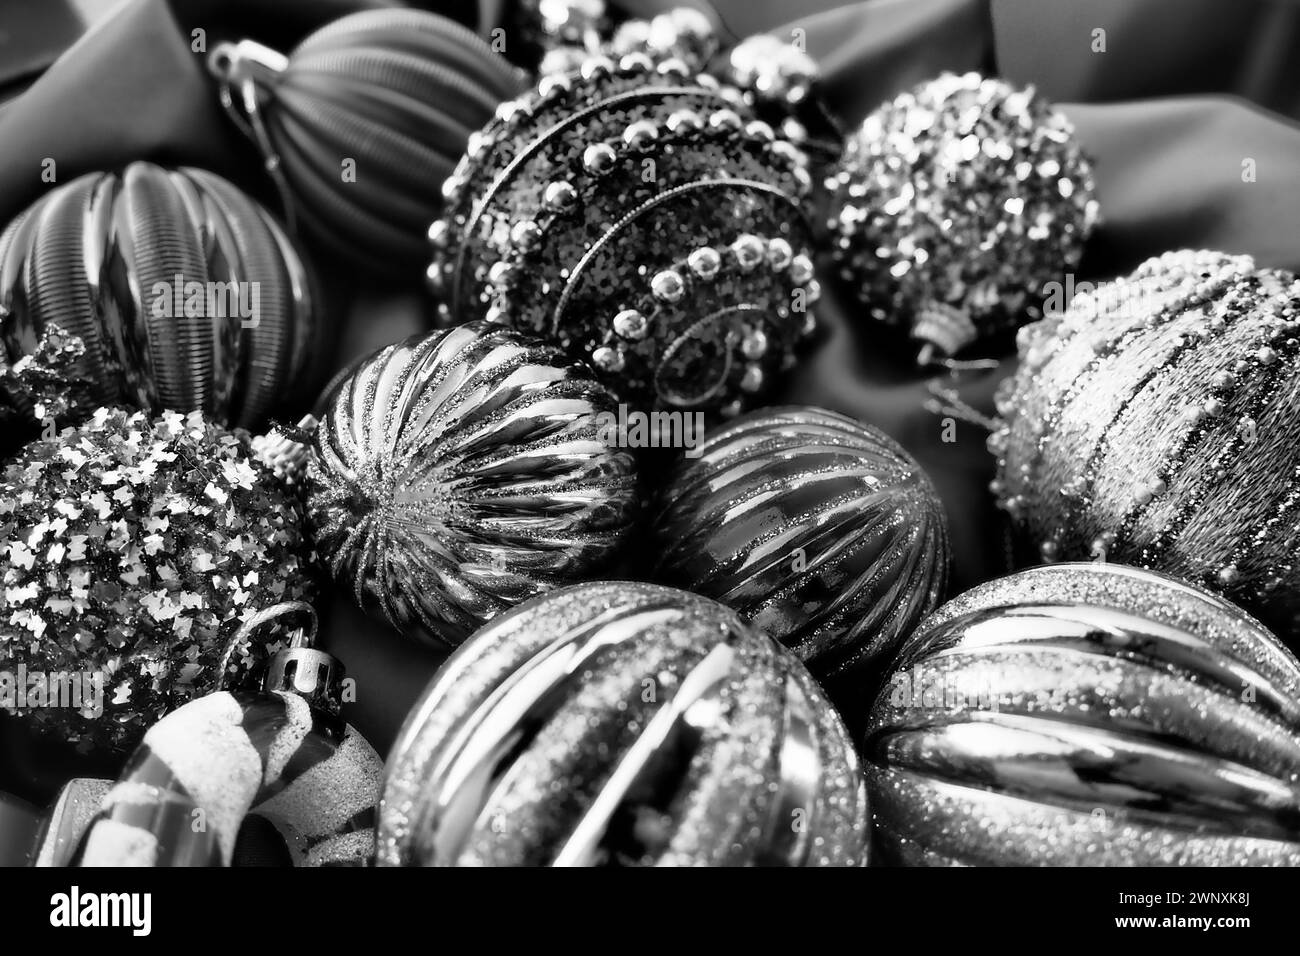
[[820, 531], [1156, 422], [1085, 715], [458, 473], [283, 754], [642, 218], [131, 549], [681, 33], [955, 205], [362, 121], [621, 724], [158, 288]]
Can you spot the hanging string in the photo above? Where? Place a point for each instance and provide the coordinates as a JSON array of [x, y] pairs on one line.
[[265, 616]]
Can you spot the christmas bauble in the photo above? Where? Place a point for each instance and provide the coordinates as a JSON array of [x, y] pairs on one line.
[[156, 288], [644, 220], [820, 531], [130, 551], [1084, 715], [955, 204], [457, 473], [1154, 423], [614, 724], [282, 755], [360, 124]]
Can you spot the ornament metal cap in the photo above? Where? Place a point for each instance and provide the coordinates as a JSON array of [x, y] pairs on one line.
[[943, 328], [313, 674]]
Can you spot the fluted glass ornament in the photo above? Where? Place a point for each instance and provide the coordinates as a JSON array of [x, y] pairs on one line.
[[457, 473], [622, 724], [1088, 715], [820, 531]]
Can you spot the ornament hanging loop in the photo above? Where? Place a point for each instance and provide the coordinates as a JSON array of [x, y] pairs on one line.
[[300, 638]]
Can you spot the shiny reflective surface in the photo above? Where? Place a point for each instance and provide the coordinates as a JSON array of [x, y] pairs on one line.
[[1088, 714], [622, 724]]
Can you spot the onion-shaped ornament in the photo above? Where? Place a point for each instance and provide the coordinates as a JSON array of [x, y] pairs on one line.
[[1155, 422], [622, 724], [283, 755], [458, 473], [157, 288], [956, 204], [362, 121], [1086, 715], [820, 531], [643, 218]]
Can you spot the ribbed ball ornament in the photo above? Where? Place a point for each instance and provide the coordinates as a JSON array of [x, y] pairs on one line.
[[956, 203], [1088, 715], [157, 288], [363, 120], [456, 474], [622, 724], [643, 218], [820, 531], [1156, 422]]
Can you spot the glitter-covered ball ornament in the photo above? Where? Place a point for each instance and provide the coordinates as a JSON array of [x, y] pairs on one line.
[[954, 205], [820, 531], [645, 220], [1156, 422], [458, 473], [362, 121], [622, 724], [131, 549], [1088, 715], [158, 288]]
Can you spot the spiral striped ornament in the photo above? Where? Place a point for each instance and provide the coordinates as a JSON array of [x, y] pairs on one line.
[[206, 766], [820, 531], [644, 219], [1088, 715], [1156, 422], [622, 724], [458, 473]]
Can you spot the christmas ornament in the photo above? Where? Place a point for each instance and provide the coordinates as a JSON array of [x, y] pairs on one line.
[[644, 220], [457, 473], [130, 550], [76, 807], [156, 288], [955, 204], [283, 755], [1154, 423], [1084, 715], [821, 532], [362, 121], [620, 724]]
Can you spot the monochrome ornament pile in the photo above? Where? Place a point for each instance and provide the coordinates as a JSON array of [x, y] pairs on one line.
[[1088, 715], [455, 474], [1156, 422], [820, 531], [622, 724], [955, 204], [645, 220]]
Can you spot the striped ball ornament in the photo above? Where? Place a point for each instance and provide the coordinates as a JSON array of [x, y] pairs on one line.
[[622, 724], [455, 474], [643, 218], [1156, 422], [819, 530], [1088, 715]]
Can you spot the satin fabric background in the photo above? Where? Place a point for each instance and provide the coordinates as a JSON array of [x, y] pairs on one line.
[[1186, 90]]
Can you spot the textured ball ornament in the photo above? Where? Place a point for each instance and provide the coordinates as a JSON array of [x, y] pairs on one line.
[[620, 724], [636, 189], [1156, 422], [458, 473], [955, 204], [361, 123], [131, 550], [158, 288], [1084, 715], [821, 532]]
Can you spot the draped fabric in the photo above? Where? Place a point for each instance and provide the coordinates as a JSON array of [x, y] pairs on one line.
[[1184, 92]]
